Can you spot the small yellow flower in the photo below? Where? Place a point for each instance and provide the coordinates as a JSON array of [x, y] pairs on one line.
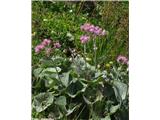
[[45, 20], [111, 63], [34, 33], [88, 59], [108, 65]]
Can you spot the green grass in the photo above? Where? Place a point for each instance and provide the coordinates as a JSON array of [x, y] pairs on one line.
[[54, 20]]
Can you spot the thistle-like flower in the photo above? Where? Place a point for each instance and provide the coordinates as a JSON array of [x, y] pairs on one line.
[[96, 30], [122, 59], [84, 39], [57, 45]]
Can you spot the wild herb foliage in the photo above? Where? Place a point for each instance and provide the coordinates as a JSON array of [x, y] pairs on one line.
[[77, 70]]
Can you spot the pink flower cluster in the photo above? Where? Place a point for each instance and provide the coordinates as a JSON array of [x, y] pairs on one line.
[[44, 43], [122, 59], [57, 45], [41, 46], [96, 30], [84, 39]]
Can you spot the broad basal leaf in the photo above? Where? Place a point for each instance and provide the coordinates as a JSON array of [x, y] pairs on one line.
[[52, 70], [75, 88], [57, 60], [47, 63], [120, 90], [42, 101], [113, 109], [61, 101], [65, 79], [92, 95], [37, 72]]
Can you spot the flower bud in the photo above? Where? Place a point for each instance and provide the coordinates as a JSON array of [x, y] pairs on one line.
[[88, 59]]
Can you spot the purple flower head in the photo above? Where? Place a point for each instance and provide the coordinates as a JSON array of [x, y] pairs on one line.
[[38, 48], [98, 31], [41, 46], [92, 26], [57, 45], [84, 39], [96, 28], [91, 30], [85, 27], [46, 42], [122, 59]]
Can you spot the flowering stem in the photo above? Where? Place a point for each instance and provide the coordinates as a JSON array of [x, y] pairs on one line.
[[95, 48], [85, 55], [84, 49], [91, 111]]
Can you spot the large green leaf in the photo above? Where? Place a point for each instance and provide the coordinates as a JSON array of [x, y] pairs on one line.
[[83, 68], [51, 80], [37, 72], [75, 88], [57, 60], [40, 72], [65, 79], [95, 116], [61, 101], [98, 107], [47, 63], [120, 90], [52, 70], [92, 95], [42, 101], [55, 113], [113, 109]]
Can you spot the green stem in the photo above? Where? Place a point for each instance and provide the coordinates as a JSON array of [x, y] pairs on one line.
[[95, 49], [80, 113], [91, 111], [85, 60], [85, 55], [84, 49]]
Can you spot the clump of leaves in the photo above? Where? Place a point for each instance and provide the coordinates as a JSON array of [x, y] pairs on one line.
[[102, 93]]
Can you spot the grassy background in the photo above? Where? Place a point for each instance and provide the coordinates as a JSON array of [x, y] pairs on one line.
[[55, 20]]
